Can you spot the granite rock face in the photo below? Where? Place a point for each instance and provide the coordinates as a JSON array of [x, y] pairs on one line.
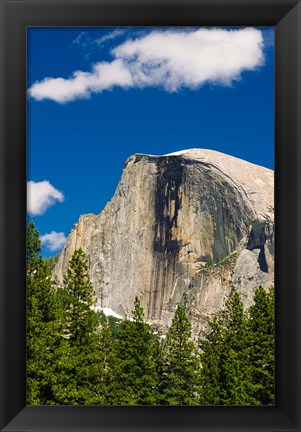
[[185, 225]]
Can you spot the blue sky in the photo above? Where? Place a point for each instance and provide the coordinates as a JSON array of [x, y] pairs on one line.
[[137, 90]]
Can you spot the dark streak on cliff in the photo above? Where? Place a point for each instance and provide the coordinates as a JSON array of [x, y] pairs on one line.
[[169, 180], [165, 247]]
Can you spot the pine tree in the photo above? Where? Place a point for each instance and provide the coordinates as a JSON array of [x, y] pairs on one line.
[[81, 319], [107, 361], [80, 367], [43, 328], [225, 374], [260, 347], [211, 346], [134, 363], [181, 364], [232, 375]]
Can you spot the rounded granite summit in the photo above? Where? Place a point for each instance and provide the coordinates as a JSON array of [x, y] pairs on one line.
[[170, 220], [256, 181]]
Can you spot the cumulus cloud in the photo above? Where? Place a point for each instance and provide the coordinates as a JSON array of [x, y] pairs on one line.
[[103, 77], [190, 59], [54, 240], [170, 59], [41, 196]]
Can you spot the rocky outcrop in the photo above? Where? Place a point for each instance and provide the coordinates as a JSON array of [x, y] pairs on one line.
[[250, 266], [169, 229]]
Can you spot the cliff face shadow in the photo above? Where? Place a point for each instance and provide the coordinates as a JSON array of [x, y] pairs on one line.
[[258, 242], [167, 205], [165, 247], [262, 260]]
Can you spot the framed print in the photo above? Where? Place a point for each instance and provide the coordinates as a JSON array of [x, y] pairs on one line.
[[144, 284]]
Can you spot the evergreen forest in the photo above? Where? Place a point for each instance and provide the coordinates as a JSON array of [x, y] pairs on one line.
[[78, 356]]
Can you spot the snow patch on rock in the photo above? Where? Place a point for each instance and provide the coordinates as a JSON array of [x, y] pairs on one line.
[[108, 312], [177, 153]]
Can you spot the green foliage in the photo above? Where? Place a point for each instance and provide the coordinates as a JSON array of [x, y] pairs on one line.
[[209, 263], [81, 321], [114, 326], [51, 262], [112, 322], [181, 364], [233, 390], [134, 362], [80, 366], [238, 353], [223, 380], [211, 346], [43, 327], [260, 347], [76, 356]]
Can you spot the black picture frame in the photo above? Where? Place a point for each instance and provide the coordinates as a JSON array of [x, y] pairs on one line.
[[16, 16]]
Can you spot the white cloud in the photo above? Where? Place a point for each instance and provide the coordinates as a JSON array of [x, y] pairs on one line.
[[103, 76], [80, 39], [83, 40], [41, 196], [170, 59], [53, 240], [190, 59], [110, 36]]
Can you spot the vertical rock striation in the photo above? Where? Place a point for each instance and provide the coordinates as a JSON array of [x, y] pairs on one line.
[[191, 223]]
